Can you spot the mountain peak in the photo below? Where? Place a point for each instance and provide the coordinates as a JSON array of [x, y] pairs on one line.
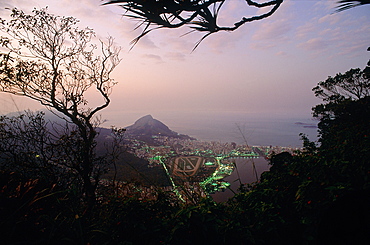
[[147, 117], [147, 126], [144, 120]]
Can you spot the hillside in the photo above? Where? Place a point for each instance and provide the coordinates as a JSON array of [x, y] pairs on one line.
[[146, 128]]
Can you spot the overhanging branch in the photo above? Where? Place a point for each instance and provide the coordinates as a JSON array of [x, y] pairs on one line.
[[200, 15]]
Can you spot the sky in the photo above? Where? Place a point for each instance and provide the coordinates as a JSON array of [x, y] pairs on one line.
[[265, 67]]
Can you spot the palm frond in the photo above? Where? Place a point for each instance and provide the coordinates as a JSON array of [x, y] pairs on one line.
[[348, 4], [201, 40]]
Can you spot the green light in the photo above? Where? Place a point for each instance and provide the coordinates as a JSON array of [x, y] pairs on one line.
[[175, 188]]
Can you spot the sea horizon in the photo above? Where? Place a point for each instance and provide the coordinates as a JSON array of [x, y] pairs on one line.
[[255, 129], [251, 128]]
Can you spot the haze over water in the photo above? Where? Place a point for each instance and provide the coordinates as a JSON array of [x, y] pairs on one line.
[[280, 130], [258, 129]]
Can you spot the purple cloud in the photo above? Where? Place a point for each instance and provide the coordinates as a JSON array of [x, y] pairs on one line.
[[314, 44]]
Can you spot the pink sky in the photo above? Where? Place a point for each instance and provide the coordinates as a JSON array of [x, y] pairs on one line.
[[269, 66]]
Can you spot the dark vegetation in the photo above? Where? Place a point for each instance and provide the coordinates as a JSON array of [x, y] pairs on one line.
[[130, 168], [50, 175]]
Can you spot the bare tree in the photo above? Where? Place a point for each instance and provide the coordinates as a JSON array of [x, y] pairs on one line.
[[50, 60]]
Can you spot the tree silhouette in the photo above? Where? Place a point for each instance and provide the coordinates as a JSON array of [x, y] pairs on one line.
[[353, 85], [50, 60], [200, 15]]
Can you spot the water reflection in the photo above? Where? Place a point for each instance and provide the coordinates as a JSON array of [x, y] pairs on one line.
[[243, 174]]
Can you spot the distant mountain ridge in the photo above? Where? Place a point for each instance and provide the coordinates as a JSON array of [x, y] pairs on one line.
[[143, 129], [146, 127]]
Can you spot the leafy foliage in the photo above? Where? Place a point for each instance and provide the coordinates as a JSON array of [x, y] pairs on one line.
[[352, 85], [35, 211], [343, 127]]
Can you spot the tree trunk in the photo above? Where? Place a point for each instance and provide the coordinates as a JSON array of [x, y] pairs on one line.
[[90, 195]]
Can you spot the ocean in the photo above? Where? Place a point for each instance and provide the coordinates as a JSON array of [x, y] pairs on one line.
[[256, 129], [228, 126], [243, 174]]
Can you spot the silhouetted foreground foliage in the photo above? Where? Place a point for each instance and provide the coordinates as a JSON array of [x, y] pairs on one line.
[[200, 15]]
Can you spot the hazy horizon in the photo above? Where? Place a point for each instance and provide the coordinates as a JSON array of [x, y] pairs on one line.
[[259, 129], [265, 68]]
